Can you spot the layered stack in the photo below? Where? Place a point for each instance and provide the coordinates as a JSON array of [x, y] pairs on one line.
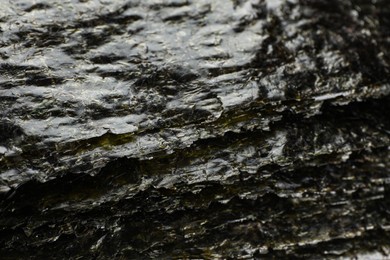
[[194, 129]]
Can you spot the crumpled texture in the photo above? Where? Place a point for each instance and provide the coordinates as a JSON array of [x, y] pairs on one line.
[[207, 129]]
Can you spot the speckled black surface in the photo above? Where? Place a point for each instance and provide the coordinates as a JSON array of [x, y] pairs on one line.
[[194, 129]]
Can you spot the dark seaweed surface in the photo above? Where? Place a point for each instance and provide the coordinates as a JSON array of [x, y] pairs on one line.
[[194, 129]]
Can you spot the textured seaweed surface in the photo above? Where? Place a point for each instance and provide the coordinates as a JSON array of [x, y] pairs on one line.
[[194, 129]]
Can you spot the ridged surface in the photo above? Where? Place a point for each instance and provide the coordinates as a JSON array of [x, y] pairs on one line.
[[209, 129]]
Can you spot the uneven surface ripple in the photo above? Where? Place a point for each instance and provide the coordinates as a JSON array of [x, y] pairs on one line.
[[194, 129]]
